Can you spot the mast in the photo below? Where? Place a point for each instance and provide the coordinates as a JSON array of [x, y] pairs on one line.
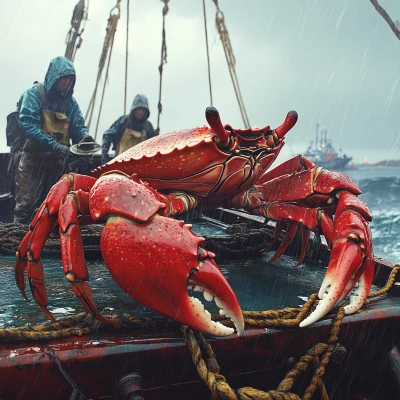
[[316, 137], [74, 39]]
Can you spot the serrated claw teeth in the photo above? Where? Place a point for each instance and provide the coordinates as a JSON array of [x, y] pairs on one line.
[[216, 327], [326, 284], [218, 302], [358, 295], [208, 296]]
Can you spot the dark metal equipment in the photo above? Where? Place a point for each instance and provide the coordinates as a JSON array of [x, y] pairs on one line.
[[129, 388]]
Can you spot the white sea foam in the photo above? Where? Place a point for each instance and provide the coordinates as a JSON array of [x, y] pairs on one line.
[[62, 310]]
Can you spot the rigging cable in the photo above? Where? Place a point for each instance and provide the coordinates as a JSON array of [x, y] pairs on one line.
[[104, 89], [107, 50], [162, 62], [208, 54], [230, 59], [74, 34], [126, 54]]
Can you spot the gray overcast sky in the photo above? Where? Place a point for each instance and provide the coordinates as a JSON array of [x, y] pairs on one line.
[[334, 62]]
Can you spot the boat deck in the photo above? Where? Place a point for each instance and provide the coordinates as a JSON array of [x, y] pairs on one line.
[[260, 358], [361, 365]]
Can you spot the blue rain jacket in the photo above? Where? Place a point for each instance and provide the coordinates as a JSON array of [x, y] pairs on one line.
[[113, 134], [30, 115]]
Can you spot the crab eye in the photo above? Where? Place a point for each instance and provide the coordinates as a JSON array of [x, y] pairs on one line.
[[228, 128], [271, 138]]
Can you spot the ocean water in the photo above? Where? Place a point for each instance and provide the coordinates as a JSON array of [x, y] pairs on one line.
[[381, 191], [258, 285]]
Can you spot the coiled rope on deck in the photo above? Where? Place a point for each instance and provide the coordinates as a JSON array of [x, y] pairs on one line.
[[244, 243], [318, 356], [83, 324]]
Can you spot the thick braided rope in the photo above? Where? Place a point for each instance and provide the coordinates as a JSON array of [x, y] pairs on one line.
[[82, 324], [389, 283], [318, 356], [287, 317], [209, 370]]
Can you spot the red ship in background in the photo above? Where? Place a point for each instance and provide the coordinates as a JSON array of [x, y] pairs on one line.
[[324, 154]]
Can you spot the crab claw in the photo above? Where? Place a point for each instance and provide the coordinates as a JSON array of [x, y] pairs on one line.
[[156, 262], [350, 269], [209, 280]]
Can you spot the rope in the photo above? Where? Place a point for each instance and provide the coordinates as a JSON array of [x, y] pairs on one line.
[[104, 88], [230, 59], [126, 55], [162, 62], [76, 393], [317, 357], [84, 324], [242, 243], [208, 54], [389, 283], [107, 46], [201, 351], [11, 235]]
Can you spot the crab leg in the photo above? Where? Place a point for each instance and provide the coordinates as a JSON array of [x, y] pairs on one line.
[[279, 227], [351, 261], [35, 270], [310, 198], [73, 256], [29, 251], [22, 257], [289, 167], [305, 237], [288, 238]]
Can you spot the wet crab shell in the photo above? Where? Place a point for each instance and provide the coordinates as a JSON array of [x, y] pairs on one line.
[[188, 160]]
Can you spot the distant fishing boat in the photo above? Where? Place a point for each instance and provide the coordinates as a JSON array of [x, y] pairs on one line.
[[324, 154]]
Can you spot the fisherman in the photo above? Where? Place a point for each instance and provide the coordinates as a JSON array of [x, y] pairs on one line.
[[15, 140], [129, 130], [50, 119]]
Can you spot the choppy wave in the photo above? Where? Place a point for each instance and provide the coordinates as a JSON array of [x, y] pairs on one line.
[[382, 194]]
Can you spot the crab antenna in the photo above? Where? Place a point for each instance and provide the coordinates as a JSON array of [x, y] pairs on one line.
[[212, 116], [288, 124]]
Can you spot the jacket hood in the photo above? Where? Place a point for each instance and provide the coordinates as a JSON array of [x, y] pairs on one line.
[[59, 67], [140, 100]]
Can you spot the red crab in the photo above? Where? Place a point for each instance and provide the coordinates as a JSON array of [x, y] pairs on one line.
[[156, 259]]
